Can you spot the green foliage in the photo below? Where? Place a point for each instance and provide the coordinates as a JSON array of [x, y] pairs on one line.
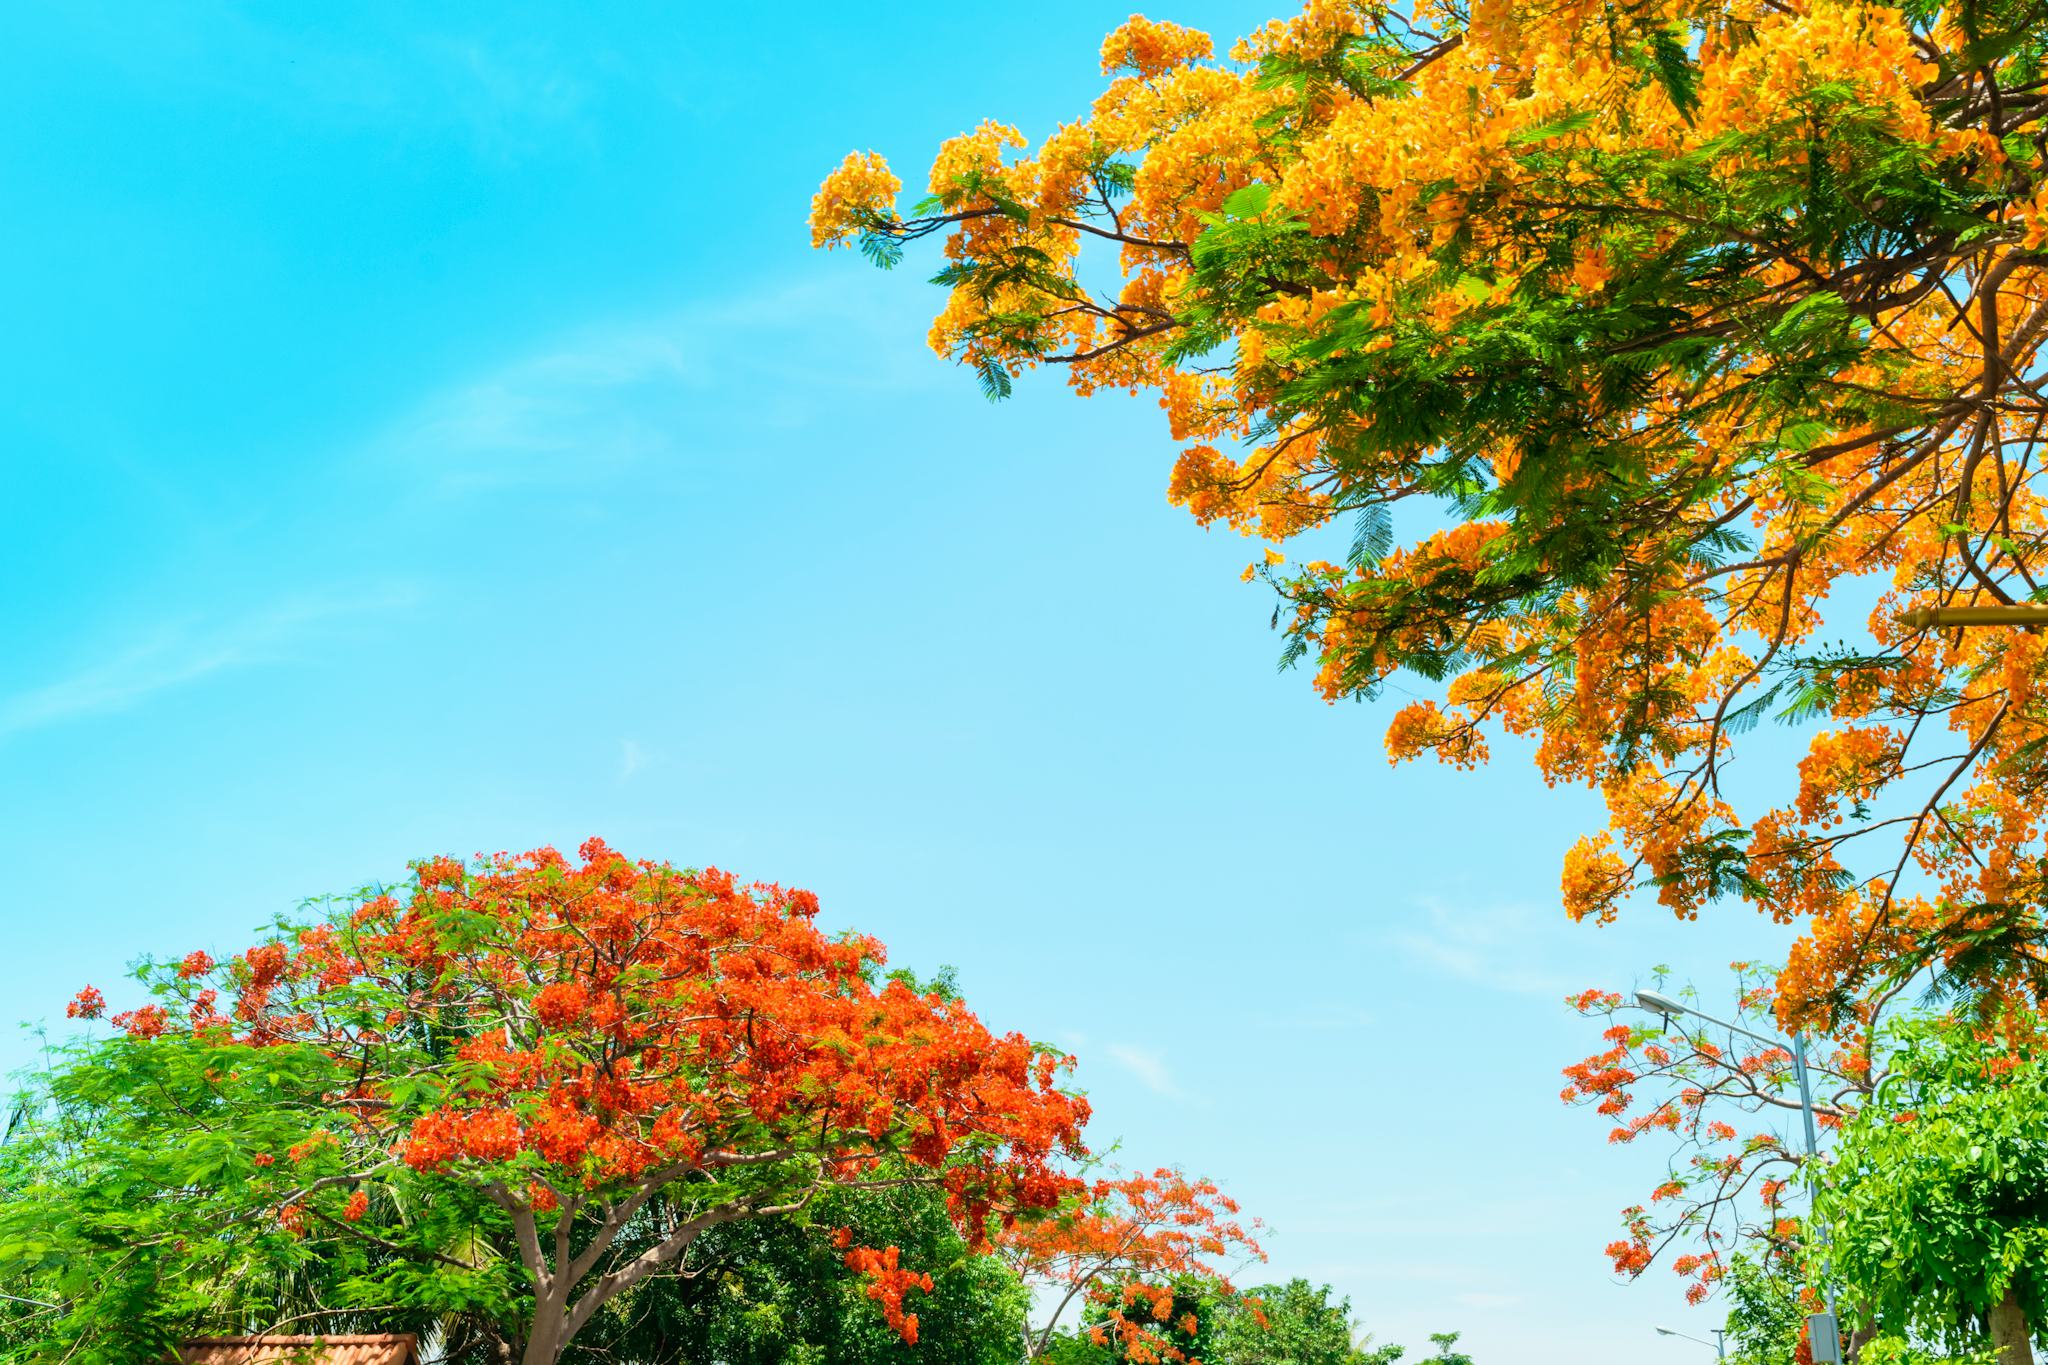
[[1192, 1302], [129, 1219], [1899, 1351], [776, 1292], [131, 1215], [1934, 1202], [1302, 1327], [1766, 1320]]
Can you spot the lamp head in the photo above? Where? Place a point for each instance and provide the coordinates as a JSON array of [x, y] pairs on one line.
[[1659, 1003], [1666, 1332]]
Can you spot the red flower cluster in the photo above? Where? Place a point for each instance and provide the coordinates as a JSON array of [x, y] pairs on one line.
[[888, 1282], [146, 1022]]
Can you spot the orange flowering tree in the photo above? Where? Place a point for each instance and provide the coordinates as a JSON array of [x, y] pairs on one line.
[[1133, 1251], [1694, 343], [1728, 1110], [518, 1090]]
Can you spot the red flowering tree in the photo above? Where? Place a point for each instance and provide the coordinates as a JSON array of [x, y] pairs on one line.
[[1130, 1248], [523, 1088], [1727, 1108]]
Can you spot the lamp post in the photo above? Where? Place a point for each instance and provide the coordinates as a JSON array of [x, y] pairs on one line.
[[1719, 1343], [1821, 1332]]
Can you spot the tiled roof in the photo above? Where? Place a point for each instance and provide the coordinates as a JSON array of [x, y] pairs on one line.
[[333, 1350]]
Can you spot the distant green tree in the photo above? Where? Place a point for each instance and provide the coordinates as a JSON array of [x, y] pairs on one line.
[[1445, 1355], [1388, 1353], [1301, 1327]]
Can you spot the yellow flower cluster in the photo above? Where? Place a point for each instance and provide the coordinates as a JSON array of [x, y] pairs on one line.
[[852, 197]]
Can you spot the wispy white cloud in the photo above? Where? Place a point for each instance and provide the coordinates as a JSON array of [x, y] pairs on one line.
[[1499, 947], [178, 654], [598, 404], [632, 758], [609, 397], [1145, 1064]]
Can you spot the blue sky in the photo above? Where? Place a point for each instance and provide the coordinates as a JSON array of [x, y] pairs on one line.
[[430, 431]]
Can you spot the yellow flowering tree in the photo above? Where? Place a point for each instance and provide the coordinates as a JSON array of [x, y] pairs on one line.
[[1703, 335]]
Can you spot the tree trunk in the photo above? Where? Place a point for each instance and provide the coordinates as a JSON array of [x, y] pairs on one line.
[[2009, 1331], [549, 1331]]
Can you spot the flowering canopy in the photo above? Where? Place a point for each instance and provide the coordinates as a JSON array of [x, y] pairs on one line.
[[1687, 314], [598, 1053]]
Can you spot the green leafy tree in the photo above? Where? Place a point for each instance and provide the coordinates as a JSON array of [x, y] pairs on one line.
[[1937, 1201], [1287, 1324], [130, 1214], [764, 1292]]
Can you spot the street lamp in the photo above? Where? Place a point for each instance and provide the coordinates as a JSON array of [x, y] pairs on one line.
[[1719, 1343], [1822, 1335]]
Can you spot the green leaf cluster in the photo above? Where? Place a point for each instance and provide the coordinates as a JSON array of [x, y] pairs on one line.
[[1936, 1205]]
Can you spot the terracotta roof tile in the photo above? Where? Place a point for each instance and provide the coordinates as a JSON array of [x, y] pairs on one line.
[[329, 1350]]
